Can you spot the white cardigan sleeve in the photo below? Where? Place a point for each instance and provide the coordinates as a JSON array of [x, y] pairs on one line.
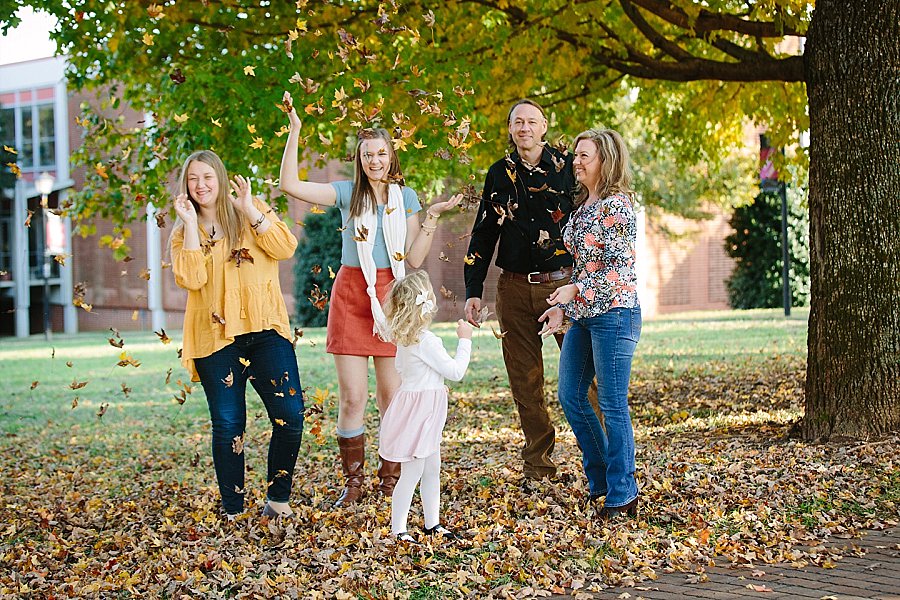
[[435, 356]]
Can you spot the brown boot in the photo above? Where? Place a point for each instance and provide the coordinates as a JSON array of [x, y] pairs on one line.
[[388, 474], [353, 459]]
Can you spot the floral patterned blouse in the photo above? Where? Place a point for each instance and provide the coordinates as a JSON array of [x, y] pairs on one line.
[[601, 237]]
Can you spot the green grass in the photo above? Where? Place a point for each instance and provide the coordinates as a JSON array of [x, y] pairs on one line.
[[679, 345]]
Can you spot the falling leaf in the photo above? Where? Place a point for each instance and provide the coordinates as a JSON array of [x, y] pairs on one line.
[[229, 379], [116, 341], [362, 234], [134, 315], [126, 360], [76, 385], [557, 215], [250, 71], [10, 150], [34, 384], [161, 334], [331, 273], [74, 401], [318, 297], [281, 422], [298, 333], [28, 218], [443, 257], [216, 122], [147, 39], [399, 257], [102, 410], [144, 274], [160, 220], [240, 255], [126, 390], [180, 118], [498, 334], [257, 143], [14, 169], [469, 259], [448, 294], [155, 11], [168, 375], [314, 209], [244, 361]]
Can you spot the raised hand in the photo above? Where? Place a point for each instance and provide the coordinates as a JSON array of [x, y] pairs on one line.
[[288, 104], [184, 208], [439, 208], [242, 199]]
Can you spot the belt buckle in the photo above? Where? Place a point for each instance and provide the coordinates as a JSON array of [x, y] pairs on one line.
[[528, 277]]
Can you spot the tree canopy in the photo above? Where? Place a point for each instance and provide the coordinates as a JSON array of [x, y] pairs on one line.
[[211, 75]]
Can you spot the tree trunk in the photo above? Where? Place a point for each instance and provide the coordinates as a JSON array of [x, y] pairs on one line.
[[853, 82]]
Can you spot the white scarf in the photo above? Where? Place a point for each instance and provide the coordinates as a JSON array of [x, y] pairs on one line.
[[394, 225]]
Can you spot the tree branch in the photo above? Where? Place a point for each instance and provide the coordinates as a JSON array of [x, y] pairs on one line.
[[707, 21]]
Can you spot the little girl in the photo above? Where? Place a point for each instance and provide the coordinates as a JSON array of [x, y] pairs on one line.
[[412, 425]]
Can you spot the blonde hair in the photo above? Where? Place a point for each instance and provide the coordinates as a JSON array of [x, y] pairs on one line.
[[615, 165], [405, 318], [362, 198], [231, 221]]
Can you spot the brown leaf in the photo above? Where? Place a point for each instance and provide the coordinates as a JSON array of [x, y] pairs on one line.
[[77, 385], [237, 444], [240, 255], [161, 334], [229, 379]]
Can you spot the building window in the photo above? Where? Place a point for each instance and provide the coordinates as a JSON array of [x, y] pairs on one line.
[[29, 127]]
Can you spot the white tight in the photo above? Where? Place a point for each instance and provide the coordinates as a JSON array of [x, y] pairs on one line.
[[428, 470]]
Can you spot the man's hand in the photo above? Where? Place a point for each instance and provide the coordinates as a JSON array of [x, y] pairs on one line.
[[473, 311]]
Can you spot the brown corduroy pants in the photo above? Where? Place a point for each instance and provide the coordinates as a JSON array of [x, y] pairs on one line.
[[519, 304]]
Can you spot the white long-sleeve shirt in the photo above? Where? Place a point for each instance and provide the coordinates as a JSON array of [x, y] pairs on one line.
[[425, 365]]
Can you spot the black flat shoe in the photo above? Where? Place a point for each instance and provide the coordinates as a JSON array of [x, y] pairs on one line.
[[442, 531], [406, 538], [611, 512]]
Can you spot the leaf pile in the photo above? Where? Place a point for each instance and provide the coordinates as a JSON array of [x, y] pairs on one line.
[[90, 512]]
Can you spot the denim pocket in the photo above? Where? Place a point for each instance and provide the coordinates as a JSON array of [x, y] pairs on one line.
[[637, 324]]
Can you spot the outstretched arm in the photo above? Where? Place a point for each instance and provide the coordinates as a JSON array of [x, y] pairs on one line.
[[419, 237], [289, 177]]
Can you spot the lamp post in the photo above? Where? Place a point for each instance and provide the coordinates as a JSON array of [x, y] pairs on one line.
[[44, 185]]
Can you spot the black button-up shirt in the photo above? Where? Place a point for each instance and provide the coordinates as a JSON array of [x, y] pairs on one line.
[[525, 208]]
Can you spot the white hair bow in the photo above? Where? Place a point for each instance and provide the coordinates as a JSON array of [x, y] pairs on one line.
[[426, 303]]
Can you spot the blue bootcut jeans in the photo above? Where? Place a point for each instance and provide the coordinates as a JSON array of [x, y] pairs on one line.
[[603, 345], [273, 366]]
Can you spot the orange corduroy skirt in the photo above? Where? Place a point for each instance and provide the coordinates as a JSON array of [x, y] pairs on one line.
[[350, 319]]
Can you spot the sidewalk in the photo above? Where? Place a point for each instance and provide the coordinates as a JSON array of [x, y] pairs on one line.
[[870, 570]]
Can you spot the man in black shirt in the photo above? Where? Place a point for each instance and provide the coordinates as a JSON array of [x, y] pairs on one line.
[[525, 203]]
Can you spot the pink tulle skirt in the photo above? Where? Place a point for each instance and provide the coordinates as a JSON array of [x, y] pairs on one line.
[[413, 424]]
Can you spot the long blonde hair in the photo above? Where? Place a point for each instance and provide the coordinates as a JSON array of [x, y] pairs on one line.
[[615, 165], [362, 199], [407, 307], [231, 221]]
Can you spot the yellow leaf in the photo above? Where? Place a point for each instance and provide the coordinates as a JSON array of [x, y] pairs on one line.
[[257, 143], [284, 129], [155, 11], [134, 315], [399, 144], [330, 272], [244, 361], [419, 144], [10, 150], [249, 70], [148, 39], [339, 97], [314, 209], [216, 122], [251, 128], [100, 168], [180, 118]]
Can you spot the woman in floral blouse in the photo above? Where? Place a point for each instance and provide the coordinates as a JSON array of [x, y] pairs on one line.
[[602, 303]]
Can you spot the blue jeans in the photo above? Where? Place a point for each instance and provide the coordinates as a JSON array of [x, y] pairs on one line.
[[273, 366], [603, 345]]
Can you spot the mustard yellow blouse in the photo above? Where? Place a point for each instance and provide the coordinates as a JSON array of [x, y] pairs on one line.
[[226, 300]]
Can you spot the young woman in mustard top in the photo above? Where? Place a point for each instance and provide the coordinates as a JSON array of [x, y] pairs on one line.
[[225, 252]]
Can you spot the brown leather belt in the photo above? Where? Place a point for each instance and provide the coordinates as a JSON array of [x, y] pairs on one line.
[[535, 277]]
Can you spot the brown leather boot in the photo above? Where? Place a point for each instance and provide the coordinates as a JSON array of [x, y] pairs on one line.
[[353, 460], [388, 474]]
